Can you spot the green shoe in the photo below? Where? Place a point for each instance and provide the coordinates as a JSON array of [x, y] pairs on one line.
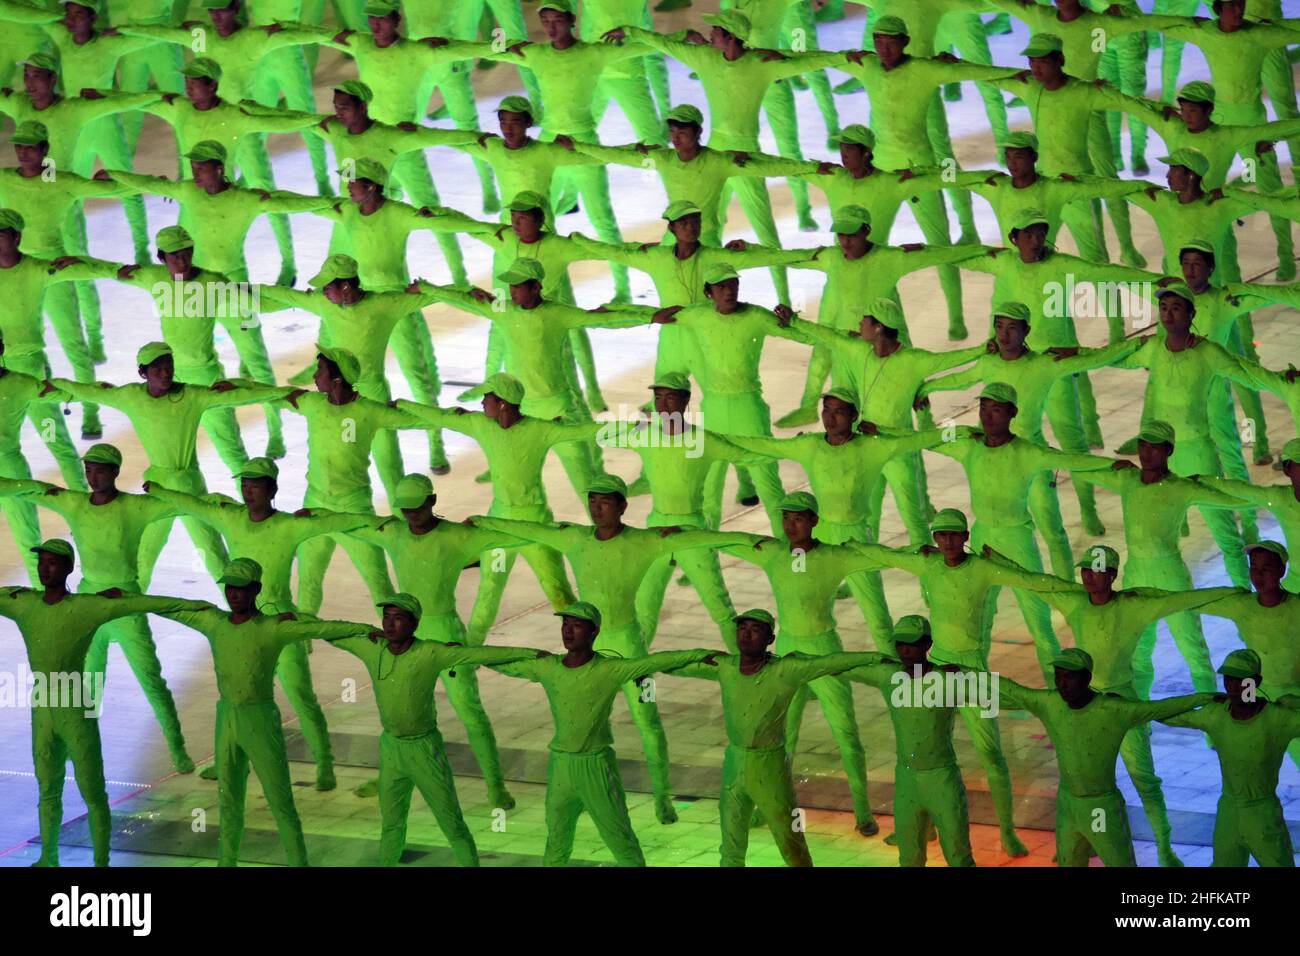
[[325, 779], [868, 828], [1286, 269], [952, 92], [639, 487], [501, 798], [665, 812], [368, 789], [663, 6], [807, 223], [209, 772], [1168, 857], [182, 761], [491, 204], [1011, 844], [1131, 257], [1092, 525], [483, 479]]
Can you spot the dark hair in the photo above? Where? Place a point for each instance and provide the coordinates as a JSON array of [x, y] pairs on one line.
[[331, 366]]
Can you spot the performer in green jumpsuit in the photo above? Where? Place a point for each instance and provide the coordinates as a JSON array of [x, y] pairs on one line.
[[57, 628], [1250, 735], [582, 773], [757, 689], [1283, 500], [412, 755]]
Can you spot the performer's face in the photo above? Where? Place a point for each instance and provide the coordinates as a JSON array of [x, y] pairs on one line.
[[325, 377], [100, 477], [913, 655], [225, 18], [753, 637], [838, 418], [52, 569], [200, 89], [30, 156], [556, 24], [1020, 160], [1031, 241], [1047, 69], [526, 295], [36, 81], [798, 525], [889, 48], [577, 634], [399, 625], [1195, 115], [362, 190], [1176, 314], [683, 135], [178, 263], [160, 374], [1154, 456], [1179, 178], [1244, 689], [207, 172], [514, 127], [527, 223], [384, 29], [9, 240], [724, 295], [1072, 685], [606, 510], [1098, 582], [422, 516], [951, 543], [1197, 268], [995, 417], [348, 108], [671, 401], [1292, 470], [854, 156], [79, 20], [853, 244], [1266, 570], [687, 229], [242, 598], [1232, 13], [1009, 332], [720, 39], [340, 291], [257, 492]]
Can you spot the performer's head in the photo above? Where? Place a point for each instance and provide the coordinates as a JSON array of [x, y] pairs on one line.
[[1197, 262], [1242, 674], [685, 221], [224, 18], [527, 216], [852, 228], [31, 145], [950, 532], [685, 127], [1155, 445], [339, 279], [755, 632], [798, 516], [242, 579], [1021, 150], [722, 287], [1187, 168], [1098, 569], [175, 250], [366, 180], [579, 625], [154, 364], [502, 395], [40, 75], [672, 393], [912, 640], [558, 18], [514, 117], [1231, 13], [259, 480], [11, 231], [383, 17], [1196, 104], [337, 371], [1268, 561], [884, 321], [207, 163], [1010, 325], [352, 102], [54, 562], [401, 616], [1073, 674], [730, 33], [997, 408], [414, 498], [1046, 58], [606, 501], [79, 19], [1028, 233], [1177, 308], [102, 464], [524, 279], [890, 39], [202, 79], [857, 146], [839, 412]]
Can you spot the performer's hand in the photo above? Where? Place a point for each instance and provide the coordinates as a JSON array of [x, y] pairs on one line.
[[739, 156], [62, 262], [643, 148], [342, 36], [407, 127], [1151, 191], [127, 271], [995, 251], [868, 428], [710, 660], [1166, 280], [147, 486], [414, 287], [992, 180], [518, 48], [991, 346], [1214, 195], [302, 513], [223, 386], [906, 174], [616, 35], [480, 295], [564, 141], [286, 616], [1262, 147], [929, 549], [90, 93], [825, 168], [483, 138], [460, 411], [543, 653], [375, 636], [272, 28], [1121, 464], [921, 402], [436, 42], [665, 316], [784, 314], [292, 397], [111, 593], [986, 551], [696, 37], [424, 212], [946, 57], [1064, 353], [856, 56], [736, 245], [1290, 375], [768, 56], [103, 176], [912, 246], [667, 530], [53, 490], [325, 123], [1066, 177], [1024, 75]]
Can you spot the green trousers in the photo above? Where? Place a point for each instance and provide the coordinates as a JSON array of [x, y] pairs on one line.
[[1168, 573], [742, 414], [160, 64], [104, 138], [1018, 543], [60, 734], [1267, 172], [590, 782], [1072, 412], [293, 669], [700, 565], [405, 765], [62, 308], [1199, 456], [458, 94], [987, 739], [835, 694], [255, 365], [759, 780], [925, 796], [1124, 66], [285, 73], [1136, 754], [206, 539], [903, 476], [1093, 824], [247, 734], [314, 554], [582, 460], [1246, 828], [756, 204], [632, 94], [867, 587], [627, 642], [220, 423]]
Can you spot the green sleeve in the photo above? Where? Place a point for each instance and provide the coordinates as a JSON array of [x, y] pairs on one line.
[[1247, 491], [640, 667], [333, 522], [281, 298], [751, 551], [689, 540], [761, 164], [1107, 478], [614, 317], [88, 268], [1194, 719], [99, 393], [796, 64], [290, 632], [689, 54], [528, 669], [952, 383], [626, 253], [150, 604], [1021, 697], [1000, 570], [811, 667], [245, 393], [779, 448], [24, 488], [457, 298], [1284, 294], [1088, 359], [281, 200], [811, 333], [25, 13], [912, 562], [1054, 459], [154, 185], [551, 536], [620, 155], [879, 675], [210, 513], [1144, 711], [485, 656], [1169, 603]]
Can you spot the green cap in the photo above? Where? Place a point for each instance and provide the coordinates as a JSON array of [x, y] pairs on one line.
[[681, 209], [521, 271], [1198, 91], [1189, 158], [505, 387], [677, 381], [515, 104], [349, 365], [757, 614], [103, 454], [719, 272], [356, 89], [685, 114], [527, 201], [1000, 392], [151, 352], [1020, 140], [887, 313], [367, 169], [850, 219], [1242, 662], [208, 151], [382, 8], [607, 485], [1156, 432], [259, 468], [911, 629], [1012, 310], [1073, 659], [241, 572], [799, 501], [1272, 547], [890, 27], [95, 5], [11, 219], [337, 266], [1200, 245], [216, 4], [1042, 44], [1291, 450], [583, 611], [856, 134], [949, 519], [42, 61], [412, 491], [1099, 557], [204, 68], [54, 546], [30, 133], [1026, 218], [564, 6], [842, 394], [406, 602], [173, 239], [733, 21], [1180, 289]]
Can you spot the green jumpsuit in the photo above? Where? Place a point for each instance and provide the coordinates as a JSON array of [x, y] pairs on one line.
[[582, 773], [159, 62], [755, 767], [249, 727], [1154, 514], [58, 638], [515, 457], [1091, 816], [412, 754], [1111, 633], [1249, 821], [927, 781], [804, 585], [632, 83], [608, 574]]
